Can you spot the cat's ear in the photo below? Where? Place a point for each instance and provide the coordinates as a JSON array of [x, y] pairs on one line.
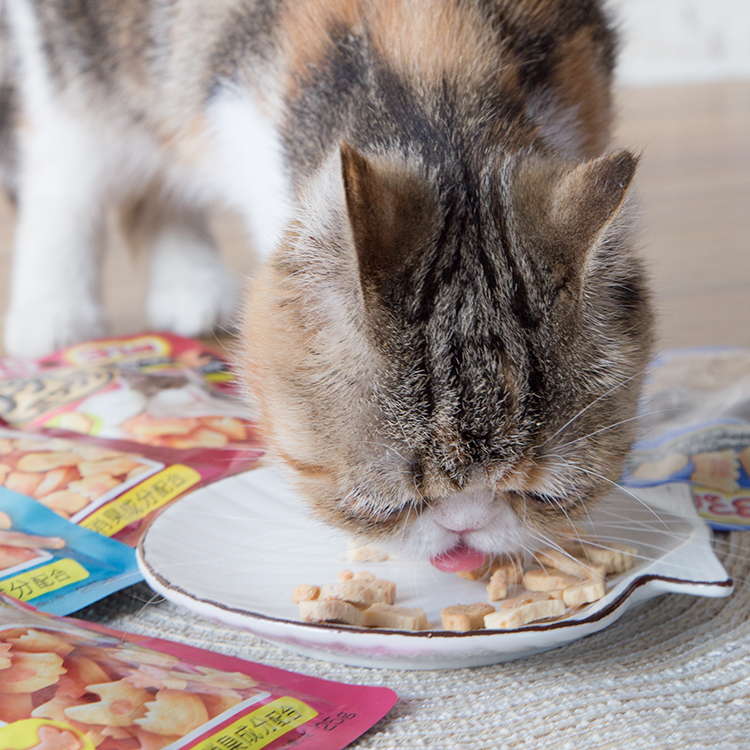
[[588, 198], [386, 206]]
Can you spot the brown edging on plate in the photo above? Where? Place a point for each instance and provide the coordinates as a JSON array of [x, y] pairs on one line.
[[594, 617]]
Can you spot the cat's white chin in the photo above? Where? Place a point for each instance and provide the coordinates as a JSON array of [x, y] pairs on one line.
[[472, 521]]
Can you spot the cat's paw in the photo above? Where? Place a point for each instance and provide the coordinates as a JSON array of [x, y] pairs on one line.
[[32, 330], [191, 300]]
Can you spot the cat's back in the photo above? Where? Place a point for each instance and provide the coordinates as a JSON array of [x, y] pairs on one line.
[[154, 54], [139, 57], [508, 74]]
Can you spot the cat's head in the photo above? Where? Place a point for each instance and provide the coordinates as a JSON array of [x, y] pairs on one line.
[[453, 360]]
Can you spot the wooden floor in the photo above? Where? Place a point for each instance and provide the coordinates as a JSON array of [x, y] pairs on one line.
[[694, 182]]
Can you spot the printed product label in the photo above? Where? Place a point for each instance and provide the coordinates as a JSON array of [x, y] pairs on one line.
[[723, 509], [23, 400], [33, 583], [260, 727], [117, 350], [138, 502]]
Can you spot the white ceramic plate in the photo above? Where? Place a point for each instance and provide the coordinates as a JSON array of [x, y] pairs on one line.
[[235, 550]]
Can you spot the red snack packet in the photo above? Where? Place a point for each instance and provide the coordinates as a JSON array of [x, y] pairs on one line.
[[113, 487], [157, 389], [158, 415], [71, 685]]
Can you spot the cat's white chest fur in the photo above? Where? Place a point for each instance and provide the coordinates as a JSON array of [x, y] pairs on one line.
[[247, 168]]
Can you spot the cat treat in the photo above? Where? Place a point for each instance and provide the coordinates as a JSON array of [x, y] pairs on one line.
[[616, 558], [332, 610], [358, 599], [529, 610], [582, 593], [361, 552], [572, 565], [538, 579], [463, 617], [305, 593], [383, 615]]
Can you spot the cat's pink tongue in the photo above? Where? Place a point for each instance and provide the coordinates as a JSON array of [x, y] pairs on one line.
[[458, 558]]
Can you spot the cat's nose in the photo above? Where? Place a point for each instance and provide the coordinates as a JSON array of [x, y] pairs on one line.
[[462, 515], [459, 531]]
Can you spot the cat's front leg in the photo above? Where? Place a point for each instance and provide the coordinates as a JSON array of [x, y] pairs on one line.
[[55, 296], [191, 292]]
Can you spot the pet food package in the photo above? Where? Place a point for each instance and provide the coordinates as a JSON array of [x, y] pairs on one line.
[[68, 685], [111, 487], [695, 427], [157, 389], [116, 429], [54, 564]]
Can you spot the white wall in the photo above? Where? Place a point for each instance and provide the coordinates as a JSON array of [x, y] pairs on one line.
[[670, 41]]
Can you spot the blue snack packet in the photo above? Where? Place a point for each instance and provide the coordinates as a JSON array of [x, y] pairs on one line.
[[695, 428], [55, 565]]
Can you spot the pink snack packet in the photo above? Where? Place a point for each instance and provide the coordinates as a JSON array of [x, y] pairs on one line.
[[113, 487], [153, 388], [73, 685], [108, 432]]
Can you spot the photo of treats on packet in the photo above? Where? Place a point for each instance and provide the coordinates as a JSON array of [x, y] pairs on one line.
[[158, 389], [695, 428], [112, 487], [68, 685], [58, 566]]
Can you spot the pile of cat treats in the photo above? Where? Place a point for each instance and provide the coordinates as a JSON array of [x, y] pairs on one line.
[[568, 578]]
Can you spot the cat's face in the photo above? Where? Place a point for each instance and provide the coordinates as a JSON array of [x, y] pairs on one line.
[[448, 365]]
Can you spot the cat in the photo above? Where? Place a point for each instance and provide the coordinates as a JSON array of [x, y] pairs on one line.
[[446, 342]]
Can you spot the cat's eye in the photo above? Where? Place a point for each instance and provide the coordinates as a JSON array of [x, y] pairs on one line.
[[543, 499]]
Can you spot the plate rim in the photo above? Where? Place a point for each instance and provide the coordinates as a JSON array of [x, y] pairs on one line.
[[724, 588]]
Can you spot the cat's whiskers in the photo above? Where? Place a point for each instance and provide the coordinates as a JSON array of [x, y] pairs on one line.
[[627, 492], [608, 427], [592, 473], [387, 447], [592, 403]]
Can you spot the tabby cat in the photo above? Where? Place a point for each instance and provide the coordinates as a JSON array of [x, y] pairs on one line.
[[446, 341]]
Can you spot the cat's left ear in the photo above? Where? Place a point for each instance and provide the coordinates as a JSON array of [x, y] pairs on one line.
[[388, 207]]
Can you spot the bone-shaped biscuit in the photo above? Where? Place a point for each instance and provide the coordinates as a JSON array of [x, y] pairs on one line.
[[465, 617]]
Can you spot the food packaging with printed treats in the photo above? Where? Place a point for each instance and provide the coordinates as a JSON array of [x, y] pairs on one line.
[[695, 428], [54, 564], [112, 487], [158, 389], [69, 685]]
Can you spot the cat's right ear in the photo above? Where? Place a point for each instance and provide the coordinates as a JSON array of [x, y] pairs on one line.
[[388, 208], [572, 211], [590, 196]]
